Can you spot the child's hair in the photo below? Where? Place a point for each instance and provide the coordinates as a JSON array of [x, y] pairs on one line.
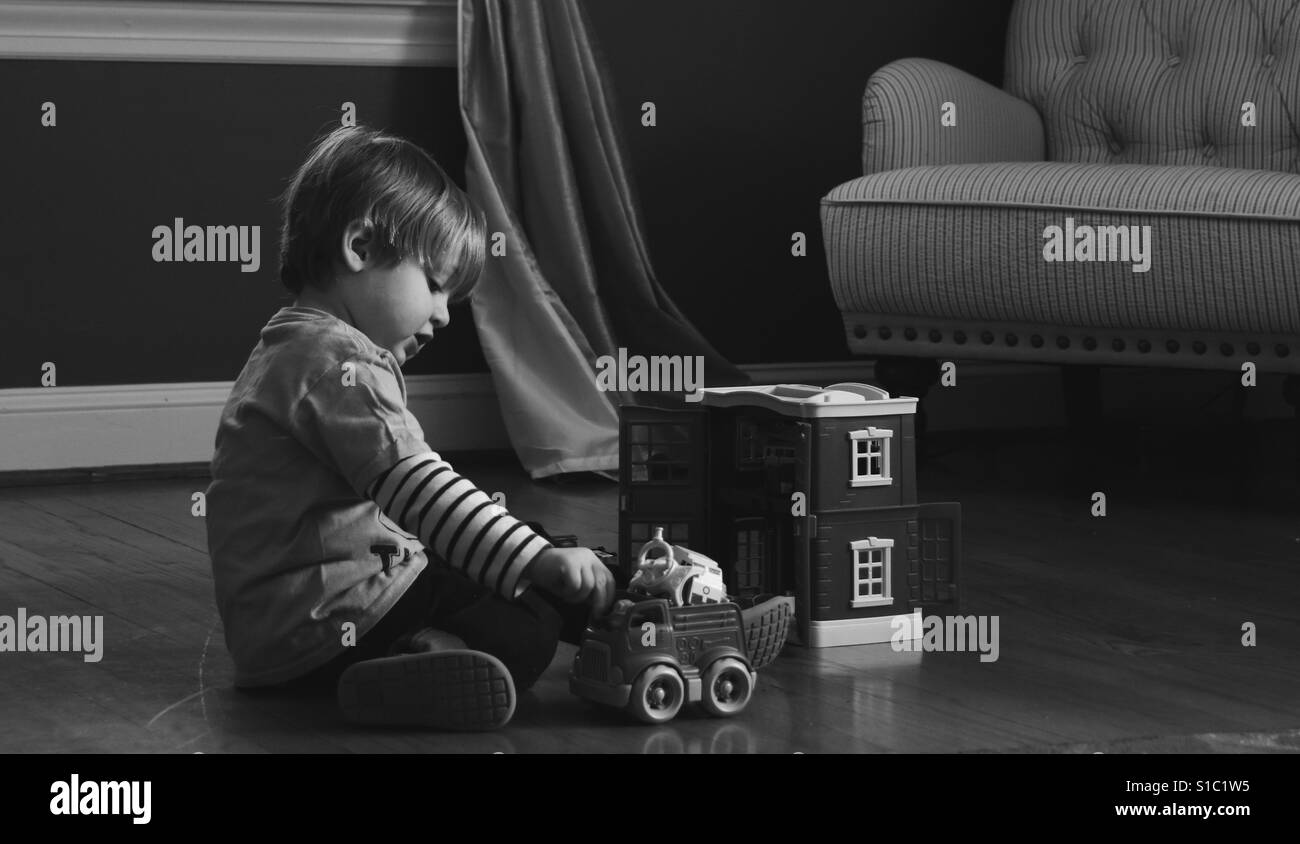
[[356, 173]]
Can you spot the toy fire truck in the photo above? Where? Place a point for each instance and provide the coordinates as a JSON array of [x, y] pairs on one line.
[[675, 640], [649, 658]]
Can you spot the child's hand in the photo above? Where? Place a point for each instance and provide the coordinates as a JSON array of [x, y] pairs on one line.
[[574, 574]]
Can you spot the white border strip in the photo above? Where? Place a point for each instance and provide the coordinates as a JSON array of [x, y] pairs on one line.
[[300, 32], [152, 424], [157, 424], [47, 428]]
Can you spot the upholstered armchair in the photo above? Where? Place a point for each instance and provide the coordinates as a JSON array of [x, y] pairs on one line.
[[1131, 197]]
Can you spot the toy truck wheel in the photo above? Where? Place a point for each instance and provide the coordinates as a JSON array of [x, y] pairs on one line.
[[727, 687], [657, 695]]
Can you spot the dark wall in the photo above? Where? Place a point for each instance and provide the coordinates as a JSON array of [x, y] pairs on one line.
[[138, 144], [759, 109], [758, 116]]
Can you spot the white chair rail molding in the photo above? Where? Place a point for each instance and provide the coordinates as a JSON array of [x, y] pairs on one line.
[[334, 32]]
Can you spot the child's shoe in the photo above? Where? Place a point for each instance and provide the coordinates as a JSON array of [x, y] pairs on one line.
[[766, 626], [442, 689]]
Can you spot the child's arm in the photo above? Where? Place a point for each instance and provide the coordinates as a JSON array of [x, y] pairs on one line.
[[424, 495], [355, 418], [459, 522]]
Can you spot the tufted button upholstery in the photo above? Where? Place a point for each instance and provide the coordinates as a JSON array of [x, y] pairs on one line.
[[1121, 94]]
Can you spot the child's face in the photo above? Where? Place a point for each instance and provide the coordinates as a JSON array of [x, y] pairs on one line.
[[398, 307]]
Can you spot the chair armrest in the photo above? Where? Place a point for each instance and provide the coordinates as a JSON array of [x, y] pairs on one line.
[[903, 119]]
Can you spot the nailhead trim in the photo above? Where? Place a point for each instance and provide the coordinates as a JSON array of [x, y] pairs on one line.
[[1089, 343]]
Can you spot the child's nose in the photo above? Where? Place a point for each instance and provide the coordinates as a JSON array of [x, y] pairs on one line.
[[440, 316]]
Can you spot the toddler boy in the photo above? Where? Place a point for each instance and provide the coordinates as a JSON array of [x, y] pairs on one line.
[[345, 551]]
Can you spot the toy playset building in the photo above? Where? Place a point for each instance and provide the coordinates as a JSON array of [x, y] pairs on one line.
[[796, 490]]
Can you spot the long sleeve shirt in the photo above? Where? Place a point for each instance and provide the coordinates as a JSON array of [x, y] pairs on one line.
[[326, 500]]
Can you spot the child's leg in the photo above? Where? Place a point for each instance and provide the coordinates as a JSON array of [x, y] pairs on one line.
[[466, 652], [523, 634], [415, 675], [405, 617]]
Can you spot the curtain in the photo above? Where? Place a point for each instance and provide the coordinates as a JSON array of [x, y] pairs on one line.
[[546, 164]]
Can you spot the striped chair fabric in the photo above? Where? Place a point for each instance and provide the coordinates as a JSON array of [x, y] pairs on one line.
[[1178, 115]]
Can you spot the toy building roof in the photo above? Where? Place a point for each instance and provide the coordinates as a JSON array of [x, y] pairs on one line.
[[810, 402]]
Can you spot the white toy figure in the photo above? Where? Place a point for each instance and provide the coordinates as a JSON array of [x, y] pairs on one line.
[[678, 574]]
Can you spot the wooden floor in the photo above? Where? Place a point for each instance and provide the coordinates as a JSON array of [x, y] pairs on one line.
[[1120, 633]]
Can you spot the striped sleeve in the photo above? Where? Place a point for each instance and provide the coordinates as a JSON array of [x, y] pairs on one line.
[[458, 521]]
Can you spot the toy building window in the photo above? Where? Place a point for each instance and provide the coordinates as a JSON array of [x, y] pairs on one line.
[[750, 553], [675, 533], [872, 585], [870, 457], [659, 453]]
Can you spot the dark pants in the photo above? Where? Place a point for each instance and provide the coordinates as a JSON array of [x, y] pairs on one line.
[[523, 634]]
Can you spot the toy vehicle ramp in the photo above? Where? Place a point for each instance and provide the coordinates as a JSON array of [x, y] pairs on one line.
[[766, 626]]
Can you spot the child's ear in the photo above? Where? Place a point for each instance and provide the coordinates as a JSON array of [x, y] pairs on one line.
[[358, 245]]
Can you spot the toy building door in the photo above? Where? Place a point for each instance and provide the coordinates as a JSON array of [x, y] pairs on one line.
[[940, 557], [662, 483], [760, 461]]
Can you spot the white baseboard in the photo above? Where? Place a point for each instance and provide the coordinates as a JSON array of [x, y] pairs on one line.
[[159, 424], [51, 428], [151, 424]]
